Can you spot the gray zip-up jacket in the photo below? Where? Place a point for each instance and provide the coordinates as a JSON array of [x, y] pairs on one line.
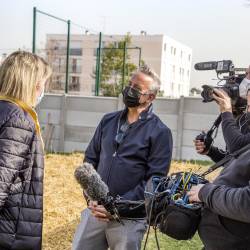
[[225, 223]]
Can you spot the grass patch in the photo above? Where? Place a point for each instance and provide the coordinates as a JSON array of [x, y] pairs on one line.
[[167, 243]]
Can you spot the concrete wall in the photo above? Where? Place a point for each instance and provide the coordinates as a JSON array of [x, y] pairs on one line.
[[74, 119]]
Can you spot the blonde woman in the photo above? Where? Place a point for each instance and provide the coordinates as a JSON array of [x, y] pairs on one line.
[[22, 81]]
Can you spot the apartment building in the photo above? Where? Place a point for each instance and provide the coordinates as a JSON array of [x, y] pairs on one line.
[[169, 58]]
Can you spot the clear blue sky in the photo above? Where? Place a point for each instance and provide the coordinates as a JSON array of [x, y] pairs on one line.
[[215, 29]]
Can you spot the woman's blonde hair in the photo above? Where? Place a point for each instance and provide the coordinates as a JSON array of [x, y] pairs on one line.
[[20, 72]]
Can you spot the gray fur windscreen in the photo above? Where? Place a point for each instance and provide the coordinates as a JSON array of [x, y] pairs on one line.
[[91, 182]]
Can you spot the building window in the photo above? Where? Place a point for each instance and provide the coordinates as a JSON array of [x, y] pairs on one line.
[[165, 46], [75, 66], [75, 52], [74, 83], [173, 71], [172, 87], [58, 83], [173, 50], [58, 65], [189, 57], [181, 74], [181, 54]]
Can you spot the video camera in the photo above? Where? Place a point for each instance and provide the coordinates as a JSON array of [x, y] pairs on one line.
[[232, 77], [232, 80]]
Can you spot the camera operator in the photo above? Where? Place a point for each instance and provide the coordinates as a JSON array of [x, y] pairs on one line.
[[236, 132], [225, 221]]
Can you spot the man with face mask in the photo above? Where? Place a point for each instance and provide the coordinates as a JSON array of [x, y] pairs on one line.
[[128, 148]]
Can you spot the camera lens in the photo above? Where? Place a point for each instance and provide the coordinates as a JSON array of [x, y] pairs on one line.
[[207, 93]]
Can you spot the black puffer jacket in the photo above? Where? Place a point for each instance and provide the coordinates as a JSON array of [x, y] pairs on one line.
[[21, 180]]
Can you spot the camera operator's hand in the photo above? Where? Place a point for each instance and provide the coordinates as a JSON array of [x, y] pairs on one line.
[[223, 100], [193, 194], [99, 212], [200, 147], [245, 86]]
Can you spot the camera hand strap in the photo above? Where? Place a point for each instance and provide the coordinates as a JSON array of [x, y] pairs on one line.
[[215, 126], [226, 159]]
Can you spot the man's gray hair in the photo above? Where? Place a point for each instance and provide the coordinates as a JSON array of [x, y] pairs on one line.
[[156, 84]]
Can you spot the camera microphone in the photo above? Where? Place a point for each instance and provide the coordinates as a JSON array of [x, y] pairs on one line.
[[206, 65], [220, 67]]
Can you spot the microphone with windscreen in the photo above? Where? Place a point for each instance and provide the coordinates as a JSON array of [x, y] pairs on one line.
[[96, 189]]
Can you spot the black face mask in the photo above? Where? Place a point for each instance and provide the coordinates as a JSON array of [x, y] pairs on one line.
[[131, 97]]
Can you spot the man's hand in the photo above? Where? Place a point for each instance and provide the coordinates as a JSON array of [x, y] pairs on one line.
[[200, 147], [223, 100], [193, 193], [99, 212]]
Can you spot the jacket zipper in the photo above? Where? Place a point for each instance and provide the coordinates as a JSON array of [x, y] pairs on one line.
[[114, 155], [111, 164]]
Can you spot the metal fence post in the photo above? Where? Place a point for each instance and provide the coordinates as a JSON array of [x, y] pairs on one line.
[[34, 31], [98, 66], [67, 59], [124, 64]]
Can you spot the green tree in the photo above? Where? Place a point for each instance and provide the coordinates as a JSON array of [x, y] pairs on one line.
[[112, 67]]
